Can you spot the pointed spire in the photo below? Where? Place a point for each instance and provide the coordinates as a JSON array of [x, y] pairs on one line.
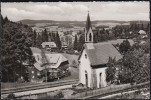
[[88, 23]]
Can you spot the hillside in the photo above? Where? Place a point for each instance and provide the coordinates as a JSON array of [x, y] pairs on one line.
[[78, 23]]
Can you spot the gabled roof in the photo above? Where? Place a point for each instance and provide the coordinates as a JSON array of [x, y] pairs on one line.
[[54, 60], [101, 53], [51, 44], [142, 32]]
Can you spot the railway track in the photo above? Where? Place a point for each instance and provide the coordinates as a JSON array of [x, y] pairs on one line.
[[38, 86], [121, 91], [113, 94]]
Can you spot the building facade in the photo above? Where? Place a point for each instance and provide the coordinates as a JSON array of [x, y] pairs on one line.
[[55, 66]]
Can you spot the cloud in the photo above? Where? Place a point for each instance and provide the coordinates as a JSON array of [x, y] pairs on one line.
[[77, 10]]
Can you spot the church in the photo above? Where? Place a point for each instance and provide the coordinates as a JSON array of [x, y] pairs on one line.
[[94, 58]]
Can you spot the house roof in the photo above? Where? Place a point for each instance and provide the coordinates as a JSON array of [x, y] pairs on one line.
[[54, 60], [142, 32], [101, 53], [51, 44]]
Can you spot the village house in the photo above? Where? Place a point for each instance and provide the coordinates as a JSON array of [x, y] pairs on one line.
[[50, 46], [142, 33], [93, 59], [56, 64]]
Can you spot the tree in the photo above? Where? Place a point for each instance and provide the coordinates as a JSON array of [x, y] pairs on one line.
[[57, 41], [15, 50], [132, 27], [142, 27], [39, 40], [135, 27], [75, 43], [81, 42], [44, 36], [2, 20], [95, 36], [6, 19], [111, 70], [53, 37], [124, 46], [134, 66], [35, 37]]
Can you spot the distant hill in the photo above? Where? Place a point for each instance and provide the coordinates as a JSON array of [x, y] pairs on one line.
[[78, 23]]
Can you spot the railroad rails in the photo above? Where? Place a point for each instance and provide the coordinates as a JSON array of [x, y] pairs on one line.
[[110, 90], [122, 90], [37, 86]]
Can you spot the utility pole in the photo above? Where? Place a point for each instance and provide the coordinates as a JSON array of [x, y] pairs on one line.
[[44, 61]]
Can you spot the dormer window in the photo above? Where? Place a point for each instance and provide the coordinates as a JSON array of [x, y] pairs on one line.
[[85, 56]]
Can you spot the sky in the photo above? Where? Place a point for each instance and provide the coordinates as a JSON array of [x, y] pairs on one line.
[[76, 11]]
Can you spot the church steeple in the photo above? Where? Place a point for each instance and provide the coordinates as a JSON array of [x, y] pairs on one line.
[[88, 30], [88, 22]]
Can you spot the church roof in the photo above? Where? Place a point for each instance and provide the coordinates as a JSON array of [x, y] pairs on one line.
[[88, 23], [101, 52]]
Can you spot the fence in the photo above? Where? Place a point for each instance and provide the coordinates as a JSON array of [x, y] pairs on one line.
[[107, 90]]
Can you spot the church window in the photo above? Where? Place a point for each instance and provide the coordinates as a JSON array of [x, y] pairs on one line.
[[85, 56], [90, 37]]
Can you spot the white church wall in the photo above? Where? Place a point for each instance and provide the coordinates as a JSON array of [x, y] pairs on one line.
[[84, 66], [103, 77]]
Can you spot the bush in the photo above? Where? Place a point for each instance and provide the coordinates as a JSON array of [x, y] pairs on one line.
[[11, 96], [59, 95], [73, 86]]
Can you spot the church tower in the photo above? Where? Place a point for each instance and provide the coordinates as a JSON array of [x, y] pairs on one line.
[[88, 31]]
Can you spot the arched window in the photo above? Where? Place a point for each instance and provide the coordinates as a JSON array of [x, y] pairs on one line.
[[90, 37], [86, 78], [100, 80], [85, 56]]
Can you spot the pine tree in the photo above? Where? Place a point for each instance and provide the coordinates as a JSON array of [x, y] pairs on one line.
[[75, 43], [81, 42], [35, 38], [58, 42], [124, 46], [2, 20], [45, 36], [39, 40], [131, 27], [53, 36], [6, 19], [142, 27]]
